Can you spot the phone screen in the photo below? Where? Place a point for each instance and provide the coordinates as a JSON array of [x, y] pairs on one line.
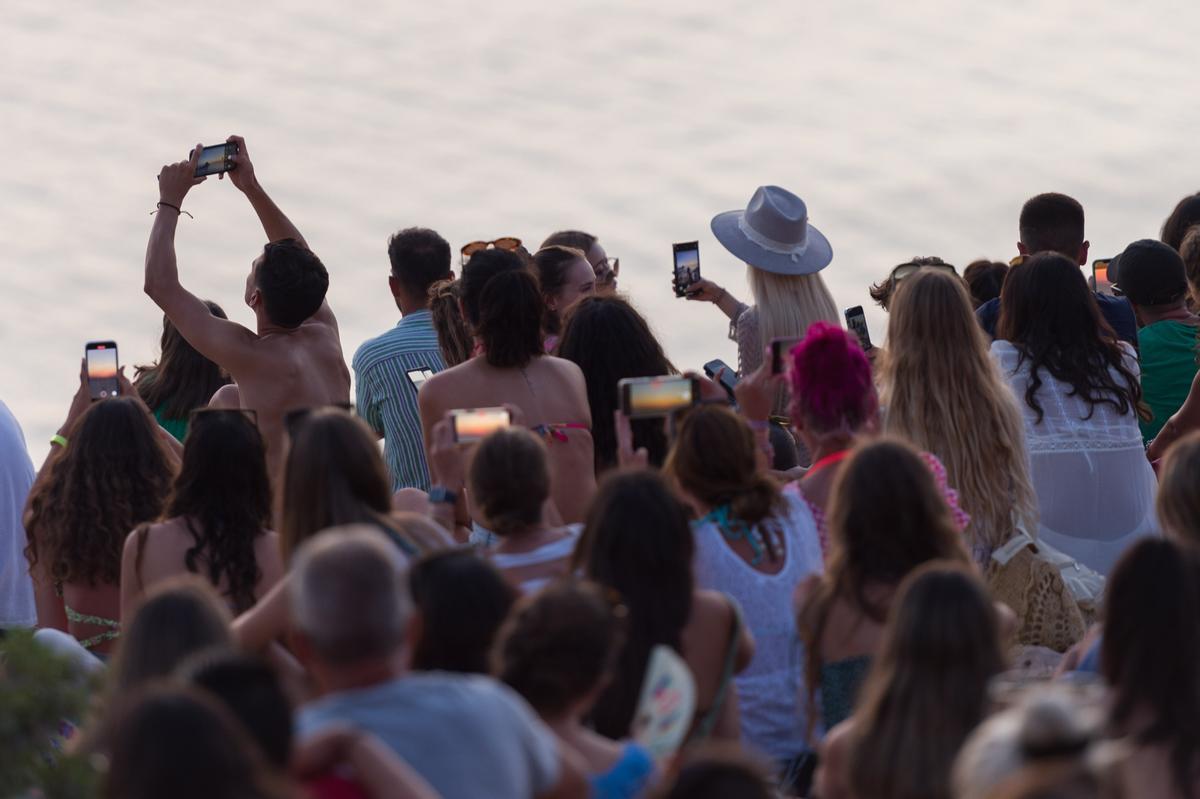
[[780, 348], [418, 376], [1100, 277], [729, 377], [216, 159], [473, 424], [102, 369], [657, 396], [687, 266], [856, 320]]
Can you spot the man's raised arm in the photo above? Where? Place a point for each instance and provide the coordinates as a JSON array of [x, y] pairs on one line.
[[275, 223], [224, 342]]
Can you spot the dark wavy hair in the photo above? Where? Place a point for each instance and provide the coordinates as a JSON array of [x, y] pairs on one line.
[[504, 307], [113, 476], [182, 379], [223, 495], [334, 476], [609, 341], [1150, 653], [637, 540], [292, 282], [1050, 316]]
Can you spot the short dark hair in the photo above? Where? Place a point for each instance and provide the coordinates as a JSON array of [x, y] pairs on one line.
[[251, 691], [420, 258], [575, 239], [292, 281], [463, 599], [1052, 222]]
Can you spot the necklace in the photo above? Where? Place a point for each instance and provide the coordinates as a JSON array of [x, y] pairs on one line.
[[734, 530]]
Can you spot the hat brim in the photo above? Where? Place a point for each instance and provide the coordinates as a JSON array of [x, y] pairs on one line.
[[816, 255]]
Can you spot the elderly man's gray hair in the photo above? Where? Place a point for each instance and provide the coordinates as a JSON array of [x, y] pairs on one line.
[[349, 594]]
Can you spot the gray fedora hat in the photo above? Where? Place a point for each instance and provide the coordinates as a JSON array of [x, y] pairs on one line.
[[773, 234]]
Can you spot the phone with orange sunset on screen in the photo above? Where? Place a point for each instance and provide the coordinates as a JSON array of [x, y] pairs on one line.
[[474, 424], [101, 357]]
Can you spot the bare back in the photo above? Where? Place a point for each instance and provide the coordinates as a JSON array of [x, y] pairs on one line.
[[291, 370], [552, 396], [163, 552]]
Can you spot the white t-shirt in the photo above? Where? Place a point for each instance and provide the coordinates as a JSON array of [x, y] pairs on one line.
[[468, 735], [16, 477]]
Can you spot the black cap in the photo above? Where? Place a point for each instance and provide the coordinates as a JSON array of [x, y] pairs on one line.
[[1149, 273]]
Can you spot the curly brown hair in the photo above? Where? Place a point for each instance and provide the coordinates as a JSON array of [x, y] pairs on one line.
[[113, 476]]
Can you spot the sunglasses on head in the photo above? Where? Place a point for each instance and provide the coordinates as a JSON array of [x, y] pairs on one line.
[[508, 243], [904, 270]]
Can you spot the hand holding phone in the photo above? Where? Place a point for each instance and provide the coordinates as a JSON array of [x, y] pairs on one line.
[[654, 397], [728, 377], [474, 424], [856, 322], [216, 159], [101, 358], [687, 266]]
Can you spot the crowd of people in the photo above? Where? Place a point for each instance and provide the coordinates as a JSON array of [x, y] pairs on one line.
[[963, 564]]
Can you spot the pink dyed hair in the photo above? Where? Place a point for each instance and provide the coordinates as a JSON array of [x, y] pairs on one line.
[[831, 380]]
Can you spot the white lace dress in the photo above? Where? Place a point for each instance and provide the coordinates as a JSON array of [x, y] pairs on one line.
[[1095, 487]]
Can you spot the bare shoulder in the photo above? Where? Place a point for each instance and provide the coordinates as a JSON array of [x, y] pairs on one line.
[[711, 606]]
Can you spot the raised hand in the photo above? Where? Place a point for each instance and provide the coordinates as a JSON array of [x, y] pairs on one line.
[[756, 392], [704, 291], [242, 175], [175, 180]]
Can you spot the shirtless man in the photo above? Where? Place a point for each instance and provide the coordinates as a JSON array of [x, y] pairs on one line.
[[294, 358]]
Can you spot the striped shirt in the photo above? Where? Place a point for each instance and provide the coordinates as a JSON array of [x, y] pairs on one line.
[[386, 398]]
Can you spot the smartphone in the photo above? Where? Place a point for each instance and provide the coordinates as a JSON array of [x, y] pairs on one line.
[[729, 378], [1100, 277], [649, 397], [687, 266], [216, 159], [473, 424], [101, 359], [856, 322], [780, 347], [418, 376]]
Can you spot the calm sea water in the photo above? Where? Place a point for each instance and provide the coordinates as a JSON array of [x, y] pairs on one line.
[[913, 128]]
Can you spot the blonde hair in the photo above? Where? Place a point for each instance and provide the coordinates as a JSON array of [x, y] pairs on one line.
[[789, 304], [943, 392]]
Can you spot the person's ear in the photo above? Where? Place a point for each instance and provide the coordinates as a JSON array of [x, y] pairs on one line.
[[254, 298], [1083, 252], [1021, 248], [394, 285]]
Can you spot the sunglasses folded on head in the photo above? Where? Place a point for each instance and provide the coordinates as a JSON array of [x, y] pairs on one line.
[[508, 243], [904, 270]]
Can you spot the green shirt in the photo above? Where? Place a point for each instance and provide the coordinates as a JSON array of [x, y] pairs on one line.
[[176, 427], [1167, 352]]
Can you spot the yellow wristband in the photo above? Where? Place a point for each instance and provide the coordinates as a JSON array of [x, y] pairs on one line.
[[60, 440]]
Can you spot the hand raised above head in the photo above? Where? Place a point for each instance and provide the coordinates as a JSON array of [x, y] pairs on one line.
[[175, 180], [242, 175]]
